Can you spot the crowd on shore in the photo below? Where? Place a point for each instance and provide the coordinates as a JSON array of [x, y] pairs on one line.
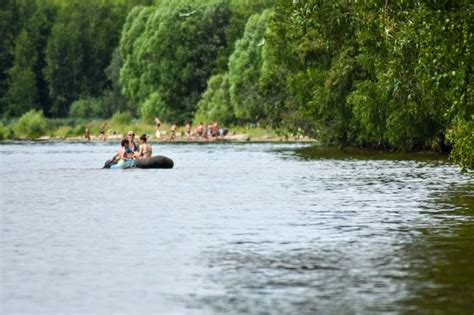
[[203, 132]]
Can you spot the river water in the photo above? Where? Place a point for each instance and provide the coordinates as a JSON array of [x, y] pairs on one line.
[[236, 229]]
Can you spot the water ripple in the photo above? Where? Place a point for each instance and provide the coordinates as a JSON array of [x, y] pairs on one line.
[[236, 229]]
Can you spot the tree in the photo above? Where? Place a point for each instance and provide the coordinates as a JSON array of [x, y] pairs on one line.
[[79, 50], [113, 100], [64, 61], [22, 93], [169, 54], [215, 104], [9, 28], [244, 69], [374, 74], [39, 29]]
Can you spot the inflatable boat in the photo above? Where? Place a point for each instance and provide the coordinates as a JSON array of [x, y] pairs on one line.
[[158, 161]]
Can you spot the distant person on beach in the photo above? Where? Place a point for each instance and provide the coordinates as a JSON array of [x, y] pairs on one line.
[[223, 132], [173, 132], [187, 129], [208, 132], [125, 157], [157, 126], [215, 129], [200, 130], [144, 149], [102, 135], [87, 134]]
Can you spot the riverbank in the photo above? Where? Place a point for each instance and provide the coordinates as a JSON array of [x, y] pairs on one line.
[[178, 138], [34, 126]]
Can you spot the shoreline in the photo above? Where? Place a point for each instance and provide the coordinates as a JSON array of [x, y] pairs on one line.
[[238, 138]]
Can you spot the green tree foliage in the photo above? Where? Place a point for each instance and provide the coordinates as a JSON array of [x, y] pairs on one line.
[[130, 75], [9, 29], [244, 69], [27, 88], [289, 73], [311, 68], [22, 93], [241, 11], [112, 99], [169, 53], [234, 96], [4, 132], [79, 50], [215, 104], [120, 118], [39, 29], [420, 69], [371, 73], [461, 136], [87, 108]]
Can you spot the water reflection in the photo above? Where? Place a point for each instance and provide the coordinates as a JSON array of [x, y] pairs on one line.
[[442, 259]]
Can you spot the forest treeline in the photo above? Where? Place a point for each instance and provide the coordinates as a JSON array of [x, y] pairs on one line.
[[393, 75]]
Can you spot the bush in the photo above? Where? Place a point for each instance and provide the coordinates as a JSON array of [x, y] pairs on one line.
[[62, 132], [78, 130], [120, 118], [4, 132], [31, 125], [87, 108], [461, 137]]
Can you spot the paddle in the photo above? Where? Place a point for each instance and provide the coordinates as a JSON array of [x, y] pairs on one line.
[[109, 163]]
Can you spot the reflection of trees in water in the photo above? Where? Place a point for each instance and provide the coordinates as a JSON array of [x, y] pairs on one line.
[[442, 260]]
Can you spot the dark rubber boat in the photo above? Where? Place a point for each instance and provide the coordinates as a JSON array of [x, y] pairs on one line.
[[158, 161]]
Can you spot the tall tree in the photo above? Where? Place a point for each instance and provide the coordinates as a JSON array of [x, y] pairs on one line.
[[39, 30], [9, 28], [79, 50], [22, 93], [168, 63], [27, 87], [245, 69], [215, 104], [64, 60]]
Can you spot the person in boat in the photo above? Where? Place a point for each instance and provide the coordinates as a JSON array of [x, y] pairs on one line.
[[124, 155], [144, 149], [132, 144]]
